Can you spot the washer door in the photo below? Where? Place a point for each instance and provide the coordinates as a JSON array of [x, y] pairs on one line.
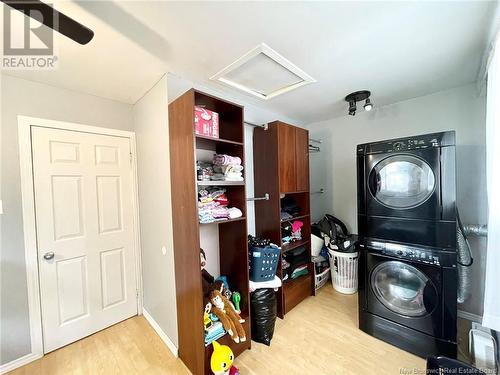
[[404, 289], [402, 182]]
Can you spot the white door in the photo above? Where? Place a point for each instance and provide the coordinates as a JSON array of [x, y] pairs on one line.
[[85, 235]]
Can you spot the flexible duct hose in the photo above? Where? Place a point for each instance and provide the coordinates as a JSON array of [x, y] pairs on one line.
[[464, 260]]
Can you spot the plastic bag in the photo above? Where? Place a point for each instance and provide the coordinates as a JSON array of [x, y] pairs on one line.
[[263, 304]]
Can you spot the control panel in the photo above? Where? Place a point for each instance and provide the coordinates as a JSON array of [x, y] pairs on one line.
[[414, 143], [411, 253], [410, 143]]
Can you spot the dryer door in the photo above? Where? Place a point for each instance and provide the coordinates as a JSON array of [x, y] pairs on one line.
[[402, 182], [404, 185]]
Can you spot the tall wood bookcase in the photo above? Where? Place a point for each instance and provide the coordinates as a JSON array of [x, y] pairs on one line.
[[233, 253], [281, 167]]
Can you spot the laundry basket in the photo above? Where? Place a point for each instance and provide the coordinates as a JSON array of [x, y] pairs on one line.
[[263, 262], [344, 269]]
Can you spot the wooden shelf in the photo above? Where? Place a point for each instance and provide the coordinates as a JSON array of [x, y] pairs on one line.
[[219, 140], [294, 245], [295, 218], [232, 235], [220, 183], [289, 282], [281, 164], [225, 221]]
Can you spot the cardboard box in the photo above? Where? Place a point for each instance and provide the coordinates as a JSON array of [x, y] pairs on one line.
[[206, 122]]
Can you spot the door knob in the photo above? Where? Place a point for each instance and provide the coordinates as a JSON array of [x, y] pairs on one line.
[[49, 255]]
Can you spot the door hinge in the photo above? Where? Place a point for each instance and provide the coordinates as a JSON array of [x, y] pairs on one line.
[[137, 294], [131, 158]]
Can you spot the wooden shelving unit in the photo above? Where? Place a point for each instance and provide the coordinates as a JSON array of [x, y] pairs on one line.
[[233, 253], [281, 166]]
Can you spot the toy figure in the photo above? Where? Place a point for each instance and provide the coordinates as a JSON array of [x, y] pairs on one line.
[[236, 302], [207, 322], [227, 314], [222, 359]]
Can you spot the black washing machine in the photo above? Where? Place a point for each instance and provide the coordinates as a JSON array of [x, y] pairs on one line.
[[408, 296], [406, 190]]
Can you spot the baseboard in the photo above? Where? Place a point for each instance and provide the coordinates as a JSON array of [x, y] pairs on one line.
[[21, 361], [470, 316], [160, 333]]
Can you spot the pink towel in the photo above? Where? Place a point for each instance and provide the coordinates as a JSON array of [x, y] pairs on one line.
[[222, 159]]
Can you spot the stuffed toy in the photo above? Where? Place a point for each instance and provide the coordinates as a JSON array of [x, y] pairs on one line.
[[227, 314], [209, 283], [207, 280], [222, 359]]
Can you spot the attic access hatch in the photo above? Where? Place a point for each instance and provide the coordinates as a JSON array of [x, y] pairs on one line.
[[263, 72]]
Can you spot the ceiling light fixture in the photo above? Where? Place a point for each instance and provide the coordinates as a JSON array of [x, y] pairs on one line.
[[368, 105], [358, 96]]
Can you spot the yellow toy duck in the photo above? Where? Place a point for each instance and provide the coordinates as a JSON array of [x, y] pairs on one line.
[[222, 359]]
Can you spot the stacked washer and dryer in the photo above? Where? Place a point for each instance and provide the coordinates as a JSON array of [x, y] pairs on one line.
[[408, 253]]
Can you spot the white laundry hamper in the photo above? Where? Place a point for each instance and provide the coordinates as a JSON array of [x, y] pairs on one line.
[[344, 269]]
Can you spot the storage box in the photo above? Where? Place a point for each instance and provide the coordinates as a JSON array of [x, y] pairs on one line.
[[206, 122]]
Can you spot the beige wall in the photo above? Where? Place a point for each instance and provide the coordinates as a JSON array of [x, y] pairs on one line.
[[21, 97], [153, 161]]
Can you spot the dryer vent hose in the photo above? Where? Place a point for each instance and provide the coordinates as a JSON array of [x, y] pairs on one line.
[[464, 260]]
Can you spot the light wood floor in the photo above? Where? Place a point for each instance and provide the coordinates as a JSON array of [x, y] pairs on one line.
[[320, 336]]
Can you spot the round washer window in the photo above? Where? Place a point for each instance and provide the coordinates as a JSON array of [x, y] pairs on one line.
[[402, 181], [402, 289]]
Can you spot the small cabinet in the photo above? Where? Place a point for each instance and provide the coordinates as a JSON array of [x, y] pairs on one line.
[[293, 148], [302, 159], [287, 158]]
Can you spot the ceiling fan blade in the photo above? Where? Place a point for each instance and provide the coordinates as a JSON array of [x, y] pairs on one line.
[[52, 18]]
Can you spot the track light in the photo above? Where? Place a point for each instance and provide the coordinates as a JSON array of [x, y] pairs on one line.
[[352, 107], [368, 105], [358, 96]]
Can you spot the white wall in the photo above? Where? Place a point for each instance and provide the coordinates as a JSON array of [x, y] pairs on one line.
[[21, 97], [459, 109], [153, 159]]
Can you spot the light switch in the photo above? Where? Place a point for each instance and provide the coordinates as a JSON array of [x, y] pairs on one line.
[[1, 207], [164, 250]]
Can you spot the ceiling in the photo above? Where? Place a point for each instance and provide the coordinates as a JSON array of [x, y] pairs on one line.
[[398, 50]]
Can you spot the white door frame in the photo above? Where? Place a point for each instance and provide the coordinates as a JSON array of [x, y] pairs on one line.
[[28, 201]]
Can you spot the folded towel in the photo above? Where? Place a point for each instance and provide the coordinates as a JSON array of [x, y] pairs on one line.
[[275, 283], [223, 159], [234, 213]]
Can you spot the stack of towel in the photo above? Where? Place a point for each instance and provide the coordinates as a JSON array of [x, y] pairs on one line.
[[213, 206], [227, 168]]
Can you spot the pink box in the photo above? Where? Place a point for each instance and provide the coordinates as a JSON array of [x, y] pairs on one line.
[[206, 122]]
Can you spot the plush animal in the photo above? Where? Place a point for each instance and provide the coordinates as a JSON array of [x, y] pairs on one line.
[[227, 314], [209, 283], [222, 359], [207, 280]]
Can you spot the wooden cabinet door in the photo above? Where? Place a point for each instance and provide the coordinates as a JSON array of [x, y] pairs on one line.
[[287, 158], [302, 159]]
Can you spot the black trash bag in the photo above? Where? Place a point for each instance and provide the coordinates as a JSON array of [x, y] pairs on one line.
[[263, 304]]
